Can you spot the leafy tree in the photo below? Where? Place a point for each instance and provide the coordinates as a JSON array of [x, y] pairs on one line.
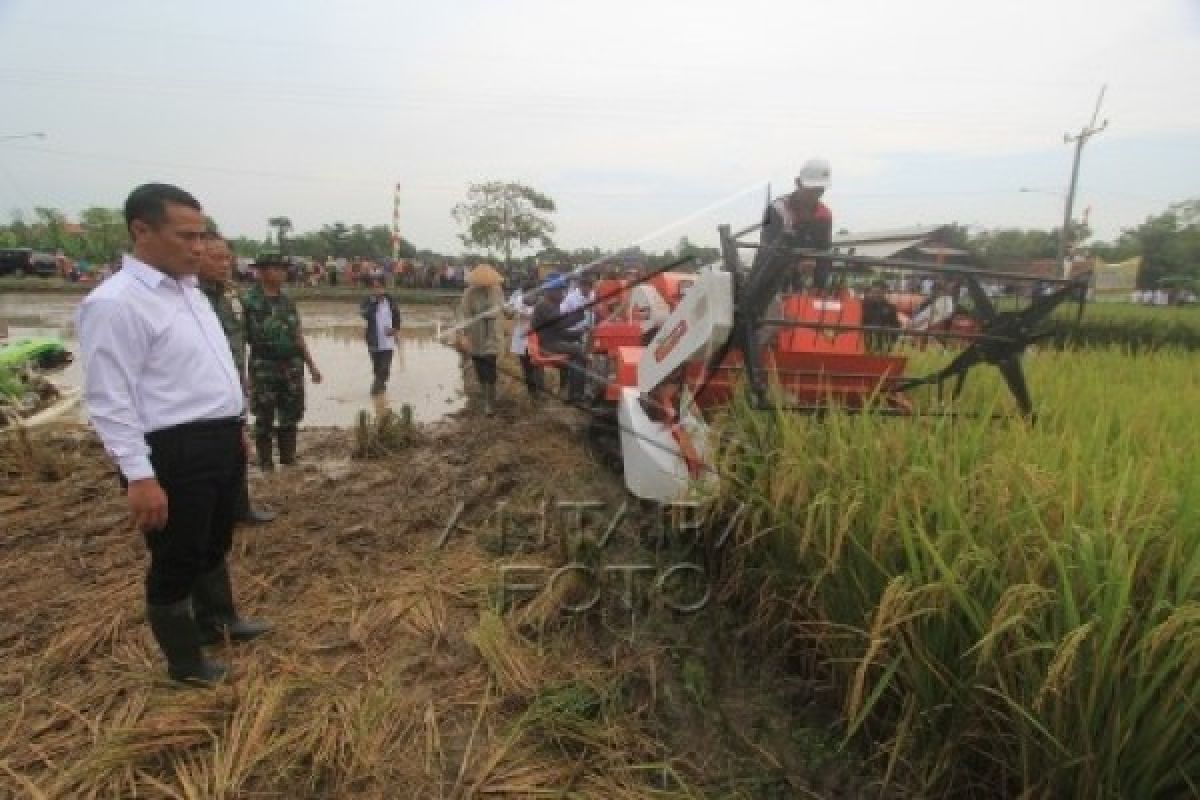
[[104, 233], [49, 229], [246, 247], [1169, 244], [501, 216], [1006, 247], [335, 237], [282, 226]]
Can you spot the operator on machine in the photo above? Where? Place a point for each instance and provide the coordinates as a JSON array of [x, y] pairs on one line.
[[798, 219]]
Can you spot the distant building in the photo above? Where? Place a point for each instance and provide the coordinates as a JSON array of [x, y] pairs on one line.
[[929, 243]]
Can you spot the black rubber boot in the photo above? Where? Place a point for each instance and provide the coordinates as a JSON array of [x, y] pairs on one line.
[[216, 615], [244, 512], [489, 398], [266, 459], [177, 635], [287, 447]]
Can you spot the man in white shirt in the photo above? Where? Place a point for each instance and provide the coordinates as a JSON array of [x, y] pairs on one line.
[[382, 316], [579, 297], [523, 312], [165, 397]]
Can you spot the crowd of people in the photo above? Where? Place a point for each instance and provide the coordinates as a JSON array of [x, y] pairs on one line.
[[1162, 297], [558, 318], [362, 273]]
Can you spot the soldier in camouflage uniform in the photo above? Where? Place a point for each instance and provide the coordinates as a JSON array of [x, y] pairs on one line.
[[216, 281], [278, 354]]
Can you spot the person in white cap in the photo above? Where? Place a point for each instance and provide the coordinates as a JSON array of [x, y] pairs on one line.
[[804, 204], [797, 219], [802, 214]]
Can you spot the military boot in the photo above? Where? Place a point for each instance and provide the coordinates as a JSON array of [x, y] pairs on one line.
[[178, 637], [266, 460], [287, 447], [216, 614]]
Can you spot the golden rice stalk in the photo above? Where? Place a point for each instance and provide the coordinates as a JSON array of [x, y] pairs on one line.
[[427, 616], [435, 757], [249, 739], [1183, 621], [1017, 606], [1058, 674], [892, 609], [514, 665], [567, 590]]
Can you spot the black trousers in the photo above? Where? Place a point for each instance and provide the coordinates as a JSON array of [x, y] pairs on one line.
[[485, 368], [575, 369], [535, 380], [381, 365], [201, 467]]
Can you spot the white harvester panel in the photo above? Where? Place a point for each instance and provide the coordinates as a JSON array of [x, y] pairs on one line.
[[696, 328], [654, 467]]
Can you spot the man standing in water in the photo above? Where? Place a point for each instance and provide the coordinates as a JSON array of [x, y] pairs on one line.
[[383, 331]]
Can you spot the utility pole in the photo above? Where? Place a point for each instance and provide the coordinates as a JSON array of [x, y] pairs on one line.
[[1080, 139]]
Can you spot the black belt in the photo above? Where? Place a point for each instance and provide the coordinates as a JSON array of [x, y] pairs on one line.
[[199, 426]]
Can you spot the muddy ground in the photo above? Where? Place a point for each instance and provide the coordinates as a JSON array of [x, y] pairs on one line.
[[406, 662]]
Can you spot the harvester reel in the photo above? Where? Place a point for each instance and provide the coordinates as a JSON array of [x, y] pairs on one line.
[[1004, 337]]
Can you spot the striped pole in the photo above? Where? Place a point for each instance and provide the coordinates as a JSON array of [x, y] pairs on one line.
[[396, 224]]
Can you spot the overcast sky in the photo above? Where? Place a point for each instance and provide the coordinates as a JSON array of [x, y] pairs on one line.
[[643, 120]]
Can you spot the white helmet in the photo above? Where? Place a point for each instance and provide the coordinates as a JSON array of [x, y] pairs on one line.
[[815, 174]]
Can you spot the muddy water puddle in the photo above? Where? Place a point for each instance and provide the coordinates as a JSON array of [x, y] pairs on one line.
[[425, 374]]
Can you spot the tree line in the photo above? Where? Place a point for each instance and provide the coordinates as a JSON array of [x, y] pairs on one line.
[[499, 219]]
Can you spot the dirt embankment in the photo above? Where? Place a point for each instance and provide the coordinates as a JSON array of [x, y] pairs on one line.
[[408, 661]]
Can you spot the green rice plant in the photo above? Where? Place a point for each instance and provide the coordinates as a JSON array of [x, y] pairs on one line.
[[1134, 328], [997, 603], [10, 383], [384, 434]]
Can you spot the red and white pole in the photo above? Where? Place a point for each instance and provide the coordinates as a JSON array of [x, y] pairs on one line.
[[396, 224]]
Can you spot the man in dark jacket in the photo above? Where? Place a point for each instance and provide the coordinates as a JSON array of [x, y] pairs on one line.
[[879, 312], [383, 330], [561, 333]]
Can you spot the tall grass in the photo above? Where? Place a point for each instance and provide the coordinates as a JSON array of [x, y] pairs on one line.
[[1135, 328], [1006, 609]]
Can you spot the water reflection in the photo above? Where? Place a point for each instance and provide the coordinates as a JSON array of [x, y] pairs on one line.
[[425, 374]]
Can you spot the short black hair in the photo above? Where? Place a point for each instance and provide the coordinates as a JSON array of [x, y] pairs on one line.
[[148, 203]]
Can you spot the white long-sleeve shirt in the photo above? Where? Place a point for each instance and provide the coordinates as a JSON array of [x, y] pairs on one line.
[[937, 312], [154, 356], [384, 339], [575, 300], [523, 313]]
